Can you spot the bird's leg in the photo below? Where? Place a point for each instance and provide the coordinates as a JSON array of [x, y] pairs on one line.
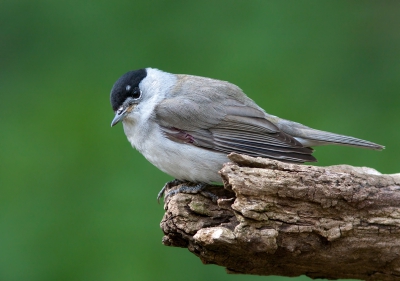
[[167, 185], [199, 188]]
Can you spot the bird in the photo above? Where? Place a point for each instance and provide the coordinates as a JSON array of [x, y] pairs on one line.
[[186, 125]]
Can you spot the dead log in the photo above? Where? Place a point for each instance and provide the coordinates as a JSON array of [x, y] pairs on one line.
[[275, 218]]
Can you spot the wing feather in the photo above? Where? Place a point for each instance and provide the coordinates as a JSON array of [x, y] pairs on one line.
[[225, 122]]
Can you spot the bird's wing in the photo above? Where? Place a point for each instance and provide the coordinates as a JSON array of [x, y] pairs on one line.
[[226, 122]]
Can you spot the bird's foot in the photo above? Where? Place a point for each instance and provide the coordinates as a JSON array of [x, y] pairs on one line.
[[198, 188], [167, 185]]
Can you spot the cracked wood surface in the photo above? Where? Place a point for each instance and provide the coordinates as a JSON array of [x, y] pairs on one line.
[[275, 218]]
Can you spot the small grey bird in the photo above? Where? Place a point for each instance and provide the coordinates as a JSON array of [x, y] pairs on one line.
[[186, 125]]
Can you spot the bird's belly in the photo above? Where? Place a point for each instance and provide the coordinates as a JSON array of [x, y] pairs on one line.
[[182, 161]]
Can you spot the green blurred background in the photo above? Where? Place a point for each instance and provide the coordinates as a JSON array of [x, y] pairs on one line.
[[73, 193]]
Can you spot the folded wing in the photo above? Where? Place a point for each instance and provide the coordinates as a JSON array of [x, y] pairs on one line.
[[221, 123]]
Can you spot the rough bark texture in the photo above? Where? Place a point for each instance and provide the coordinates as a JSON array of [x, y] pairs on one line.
[[274, 218]]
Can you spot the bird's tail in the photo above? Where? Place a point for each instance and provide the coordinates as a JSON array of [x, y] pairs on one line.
[[311, 137]]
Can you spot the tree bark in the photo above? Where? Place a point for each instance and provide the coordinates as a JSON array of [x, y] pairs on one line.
[[274, 218]]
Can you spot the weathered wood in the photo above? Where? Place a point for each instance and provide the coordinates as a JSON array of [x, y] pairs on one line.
[[275, 218]]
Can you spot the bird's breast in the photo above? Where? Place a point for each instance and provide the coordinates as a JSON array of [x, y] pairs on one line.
[[180, 160]]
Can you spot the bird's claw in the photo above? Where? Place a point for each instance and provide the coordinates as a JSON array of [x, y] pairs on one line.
[[199, 188], [167, 185]]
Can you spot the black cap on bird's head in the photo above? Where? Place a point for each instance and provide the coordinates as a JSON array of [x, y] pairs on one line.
[[125, 92]]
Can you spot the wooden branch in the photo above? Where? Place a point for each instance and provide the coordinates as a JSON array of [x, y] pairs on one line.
[[274, 218]]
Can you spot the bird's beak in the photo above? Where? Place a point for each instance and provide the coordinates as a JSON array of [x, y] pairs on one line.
[[121, 113], [119, 116]]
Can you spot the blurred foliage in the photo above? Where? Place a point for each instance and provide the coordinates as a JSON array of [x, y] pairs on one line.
[[73, 192]]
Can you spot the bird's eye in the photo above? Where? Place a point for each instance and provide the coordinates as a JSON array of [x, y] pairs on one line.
[[133, 92], [136, 93]]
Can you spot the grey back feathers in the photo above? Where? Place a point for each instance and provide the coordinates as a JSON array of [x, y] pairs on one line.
[[217, 115]]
